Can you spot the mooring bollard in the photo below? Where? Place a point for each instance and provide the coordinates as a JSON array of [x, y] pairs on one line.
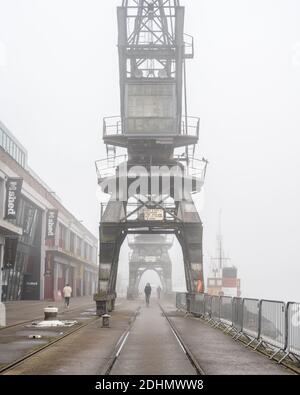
[[50, 313], [105, 321]]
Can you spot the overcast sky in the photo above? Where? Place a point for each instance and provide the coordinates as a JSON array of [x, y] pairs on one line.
[[59, 77]]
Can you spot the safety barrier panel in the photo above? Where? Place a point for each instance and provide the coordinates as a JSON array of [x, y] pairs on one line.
[[207, 306], [192, 307], [237, 314], [272, 323], [226, 310], [293, 328], [215, 308], [197, 304], [181, 301], [251, 317]]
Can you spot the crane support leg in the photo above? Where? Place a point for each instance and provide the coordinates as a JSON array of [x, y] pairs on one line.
[[190, 238], [111, 240]]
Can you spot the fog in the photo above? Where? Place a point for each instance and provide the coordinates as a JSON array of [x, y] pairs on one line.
[[59, 77]]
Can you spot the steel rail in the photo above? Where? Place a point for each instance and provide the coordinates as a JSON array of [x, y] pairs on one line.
[[28, 356], [41, 316], [185, 347], [122, 341]]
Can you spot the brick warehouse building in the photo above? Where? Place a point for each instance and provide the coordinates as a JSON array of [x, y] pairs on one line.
[[42, 245]]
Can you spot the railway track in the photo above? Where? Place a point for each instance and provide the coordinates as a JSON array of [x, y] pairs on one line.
[[10, 367], [119, 346], [123, 339], [183, 345], [40, 317]]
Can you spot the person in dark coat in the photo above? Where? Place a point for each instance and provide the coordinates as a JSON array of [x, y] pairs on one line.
[[148, 291]]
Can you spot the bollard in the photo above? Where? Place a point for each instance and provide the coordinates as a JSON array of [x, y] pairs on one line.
[[105, 321], [50, 313]]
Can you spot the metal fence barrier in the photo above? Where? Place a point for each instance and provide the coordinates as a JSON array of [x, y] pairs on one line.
[[272, 323], [293, 329], [251, 318], [181, 301], [226, 310], [197, 304], [237, 314], [192, 307], [263, 322], [215, 308], [207, 306]]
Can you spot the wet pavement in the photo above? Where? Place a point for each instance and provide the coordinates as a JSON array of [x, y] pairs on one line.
[[19, 311], [86, 352], [21, 339], [219, 354], [151, 348]]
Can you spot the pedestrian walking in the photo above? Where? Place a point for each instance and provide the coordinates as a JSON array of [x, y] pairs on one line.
[[67, 291], [148, 291]]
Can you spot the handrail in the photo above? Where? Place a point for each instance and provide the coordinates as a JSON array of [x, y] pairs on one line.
[[195, 168], [114, 126]]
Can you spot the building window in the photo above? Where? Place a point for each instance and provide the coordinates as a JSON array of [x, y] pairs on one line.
[[79, 246], [85, 251], [72, 242], [94, 257], [62, 236]]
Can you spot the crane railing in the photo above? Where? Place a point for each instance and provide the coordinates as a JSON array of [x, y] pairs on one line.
[[114, 126]]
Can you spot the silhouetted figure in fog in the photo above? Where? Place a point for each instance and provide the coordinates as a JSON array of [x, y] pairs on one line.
[[148, 291], [158, 292]]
